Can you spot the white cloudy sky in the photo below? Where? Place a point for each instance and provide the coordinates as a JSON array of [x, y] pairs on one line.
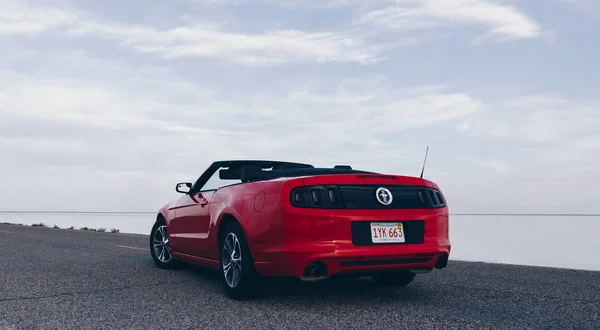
[[105, 105]]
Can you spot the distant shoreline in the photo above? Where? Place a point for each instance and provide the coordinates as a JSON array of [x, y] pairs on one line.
[[463, 214]]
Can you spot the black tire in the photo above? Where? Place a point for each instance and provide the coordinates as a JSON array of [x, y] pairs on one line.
[[155, 252], [394, 278], [248, 281]]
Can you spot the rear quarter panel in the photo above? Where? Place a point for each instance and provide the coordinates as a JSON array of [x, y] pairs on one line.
[[253, 205]]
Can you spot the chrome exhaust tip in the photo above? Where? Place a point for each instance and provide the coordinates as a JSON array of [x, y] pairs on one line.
[[442, 262], [420, 270], [313, 279], [315, 271]]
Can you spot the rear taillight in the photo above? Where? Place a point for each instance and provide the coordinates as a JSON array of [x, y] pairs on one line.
[[364, 197], [316, 197]]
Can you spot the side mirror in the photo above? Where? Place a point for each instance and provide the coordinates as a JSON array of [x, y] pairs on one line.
[[183, 187]]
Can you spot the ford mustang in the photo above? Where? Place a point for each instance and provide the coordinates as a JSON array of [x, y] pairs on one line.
[[251, 219]]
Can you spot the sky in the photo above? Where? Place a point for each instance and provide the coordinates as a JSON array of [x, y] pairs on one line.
[[106, 105]]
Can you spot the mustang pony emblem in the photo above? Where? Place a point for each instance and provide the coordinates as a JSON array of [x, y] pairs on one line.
[[384, 196]]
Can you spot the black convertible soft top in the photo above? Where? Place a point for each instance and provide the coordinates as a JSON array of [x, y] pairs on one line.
[[274, 164], [256, 173], [252, 170]]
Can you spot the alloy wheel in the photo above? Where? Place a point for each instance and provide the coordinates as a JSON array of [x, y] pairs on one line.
[[162, 250], [232, 260]]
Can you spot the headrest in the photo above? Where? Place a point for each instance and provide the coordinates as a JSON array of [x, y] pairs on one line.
[[343, 167], [251, 173], [230, 173]]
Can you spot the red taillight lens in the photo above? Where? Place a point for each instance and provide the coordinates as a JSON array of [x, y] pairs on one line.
[[316, 197]]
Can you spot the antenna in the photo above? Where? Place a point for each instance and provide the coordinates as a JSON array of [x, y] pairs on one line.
[[423, 169]]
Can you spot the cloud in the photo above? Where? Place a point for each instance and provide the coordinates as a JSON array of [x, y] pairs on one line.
[[322, 4], [207, 40], [546, 119], [121, 122], [212, 40], [462, 127], [534, 153], [22, 18], [63, 153], [42, 145], [498, 165], [351, 109], [555, 133], [273, 47], [500, 22]]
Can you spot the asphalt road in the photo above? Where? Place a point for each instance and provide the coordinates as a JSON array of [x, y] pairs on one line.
[[68, 279]]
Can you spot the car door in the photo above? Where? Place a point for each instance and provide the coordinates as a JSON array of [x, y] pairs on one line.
[[190, 223]]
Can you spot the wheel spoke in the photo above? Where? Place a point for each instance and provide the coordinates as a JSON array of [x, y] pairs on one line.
[[231, 259], [168, 253], [160, 241], [227, 268], [236, 276], [236, 246], [227, 248]]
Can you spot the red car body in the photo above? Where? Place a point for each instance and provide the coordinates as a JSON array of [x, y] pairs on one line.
[[300, 221]]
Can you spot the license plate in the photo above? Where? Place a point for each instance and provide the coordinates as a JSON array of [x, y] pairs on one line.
[[387, 232]]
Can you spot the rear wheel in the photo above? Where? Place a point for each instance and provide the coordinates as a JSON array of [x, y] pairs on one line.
[[394, 278], [160, 248], [239, 278]]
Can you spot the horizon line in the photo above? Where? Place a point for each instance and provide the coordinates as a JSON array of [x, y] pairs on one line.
[[147, 212]]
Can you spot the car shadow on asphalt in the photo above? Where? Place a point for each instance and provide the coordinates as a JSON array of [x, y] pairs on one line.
[[339, 289], [336, 288]]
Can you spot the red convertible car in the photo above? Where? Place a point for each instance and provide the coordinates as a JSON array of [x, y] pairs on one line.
[[250, 219]]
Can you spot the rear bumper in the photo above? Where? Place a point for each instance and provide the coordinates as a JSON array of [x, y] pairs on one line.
[[345, 258]]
